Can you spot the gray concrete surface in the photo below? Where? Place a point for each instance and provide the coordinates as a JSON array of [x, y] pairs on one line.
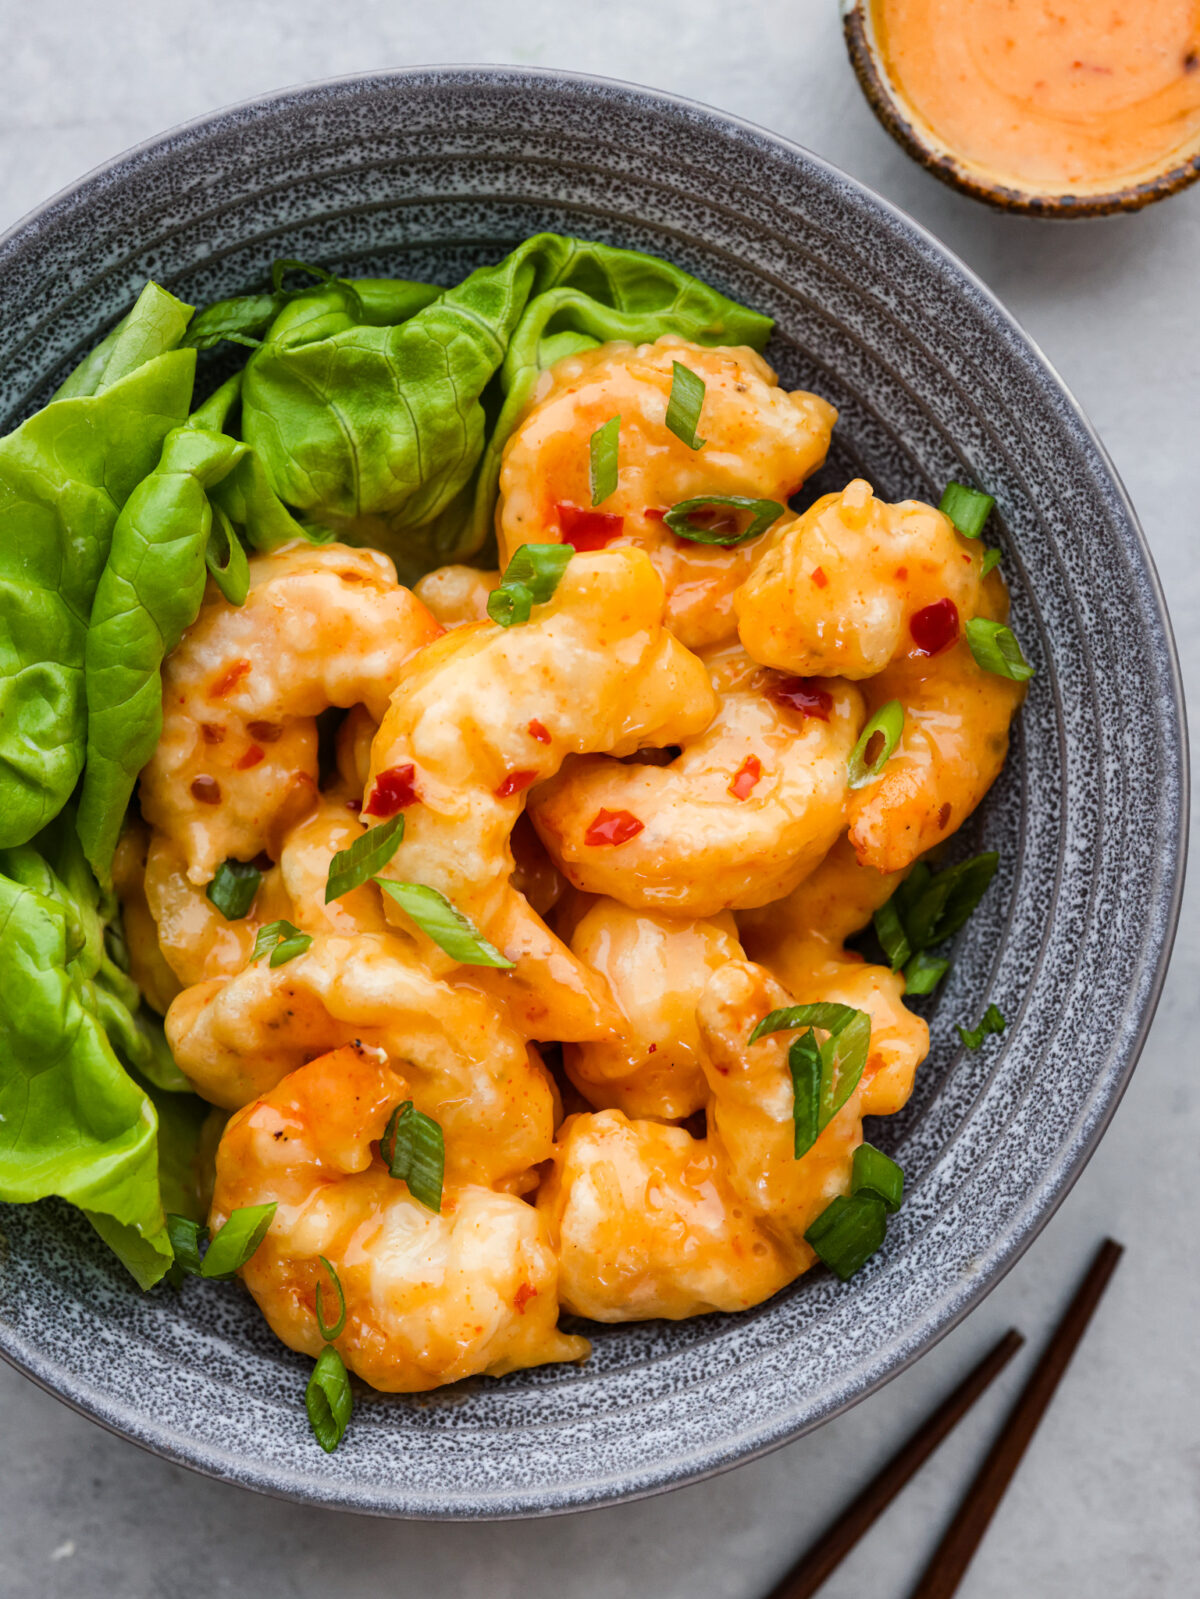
[[1108, 1502]]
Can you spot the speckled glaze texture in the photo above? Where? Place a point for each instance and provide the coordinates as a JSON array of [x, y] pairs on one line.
[[431, 172], [896, 116]]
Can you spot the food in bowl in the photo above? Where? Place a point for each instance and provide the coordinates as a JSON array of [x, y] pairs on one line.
[[454, 686]]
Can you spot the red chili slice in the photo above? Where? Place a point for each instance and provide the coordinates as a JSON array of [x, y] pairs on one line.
[[523, 1295], [613, 827], [228, 679], [745, 778], [588, 530], [538, 730], [802, 694], [653, 514], [206, 790], [819, 578], [935, 627], [251, 758], [394, 789], [514, 783], [212, 732], [264, 732]]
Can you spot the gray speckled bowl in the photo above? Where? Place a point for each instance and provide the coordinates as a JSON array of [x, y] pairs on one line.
[[429, 173]]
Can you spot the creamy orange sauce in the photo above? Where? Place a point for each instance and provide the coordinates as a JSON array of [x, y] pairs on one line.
[[1082, 96]]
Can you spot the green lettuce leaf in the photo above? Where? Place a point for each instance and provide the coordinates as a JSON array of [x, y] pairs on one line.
[[64, 476], [381, 432], [73, 1121]]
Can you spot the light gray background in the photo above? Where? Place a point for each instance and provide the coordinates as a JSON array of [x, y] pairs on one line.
[[1107, 1503]]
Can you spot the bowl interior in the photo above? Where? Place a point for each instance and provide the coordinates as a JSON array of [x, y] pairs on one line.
[[427, 174]]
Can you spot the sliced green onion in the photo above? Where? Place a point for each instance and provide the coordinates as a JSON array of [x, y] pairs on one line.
[[330, 1332], [967, 508], [530, 578], [889, 929], [328, 1399], [947, 900], [991, 559], [825, 1014], [233, 888], [414, 1152], [842, 1058], [995, 648], [924, 972], [350, 868], [226, 559], [848, 1232], [992, 1022], [804, 1063], [681, 518], [603, 460], [186, 1237], [685, 405], [873, 1172], [887, 725], [233, 1245], [282, 940], [445, 924]]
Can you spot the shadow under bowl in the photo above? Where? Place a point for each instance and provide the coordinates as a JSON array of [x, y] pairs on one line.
[[426, 174], [904, 125]]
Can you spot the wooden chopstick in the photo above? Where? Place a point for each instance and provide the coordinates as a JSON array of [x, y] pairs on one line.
[[835, 1544], [979, 1504]]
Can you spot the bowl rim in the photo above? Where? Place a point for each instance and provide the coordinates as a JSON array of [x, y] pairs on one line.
[[1037, 1208], [896, 117]]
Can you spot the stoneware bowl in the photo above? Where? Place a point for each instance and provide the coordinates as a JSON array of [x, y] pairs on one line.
[[906, 127], [426, 174]]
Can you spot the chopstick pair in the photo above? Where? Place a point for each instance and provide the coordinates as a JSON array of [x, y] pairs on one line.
[[962, 1538]]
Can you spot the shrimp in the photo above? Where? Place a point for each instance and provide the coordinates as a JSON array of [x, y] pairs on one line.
[[744, 812], [430, 1298], [649, 1221], [801, 942], [841, 590], [657, 967], [484, 713], [956, 727], [237, 759], [235, 1038], [457, 594], [759, 441]]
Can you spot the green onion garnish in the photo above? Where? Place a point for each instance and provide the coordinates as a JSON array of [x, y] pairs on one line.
[[872, 1172], [350, 868], [682, 518], [530, 578], [226, 559], [886, 725], [889, 929], [282, 940], [233, 888], [445, 924], [967, 508], [933, 906], [848, 1232], [328, 1399], [233, 1245], [804, 1063], [991, 559], [330, 1332], [685, 405], [414, 1151], [924, 972], [185, 1236], [995, 648], [841, 1059], [603, 453], [992, 1022]]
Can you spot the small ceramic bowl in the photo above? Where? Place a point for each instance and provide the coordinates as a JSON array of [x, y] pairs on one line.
[[905, 126], [427, 174]]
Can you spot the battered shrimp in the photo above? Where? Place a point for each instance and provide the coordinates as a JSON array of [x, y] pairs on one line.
[[237, 760], [430, 1298], [841, 591], [738, 818], [235, 1038], [759, 441], [486, 712], [955, 740], [801, 942], [648, 1221], [457, 594], [657, 967]]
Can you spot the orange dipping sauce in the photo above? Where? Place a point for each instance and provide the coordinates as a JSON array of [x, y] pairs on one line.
[[1049, 96]]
